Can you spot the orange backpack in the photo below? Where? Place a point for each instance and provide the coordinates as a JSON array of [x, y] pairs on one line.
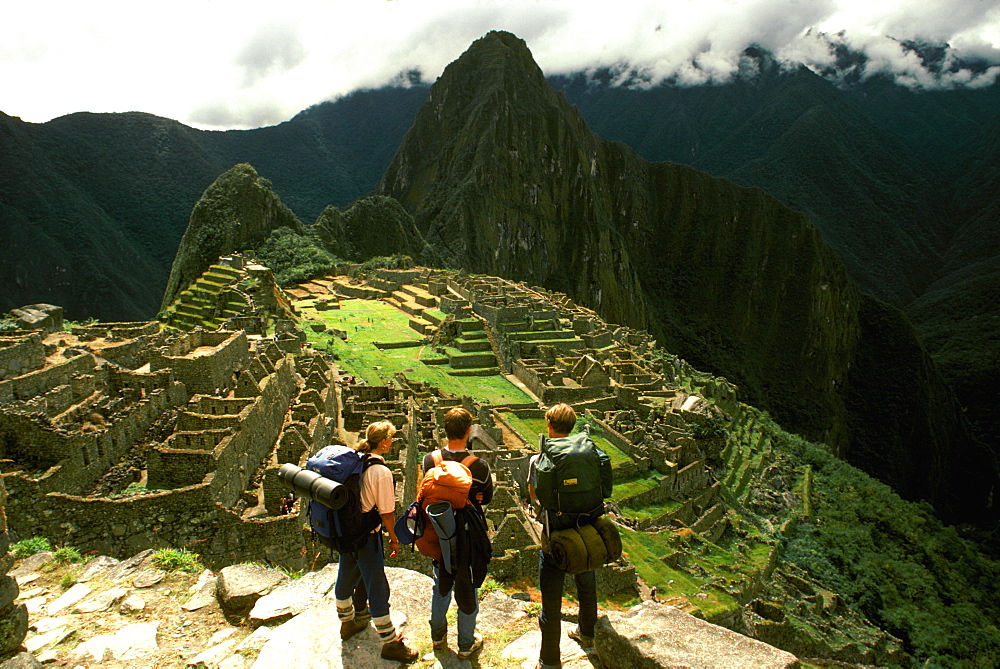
[[447, 481]]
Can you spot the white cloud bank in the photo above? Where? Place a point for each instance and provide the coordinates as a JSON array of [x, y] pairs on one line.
[[248, 63]]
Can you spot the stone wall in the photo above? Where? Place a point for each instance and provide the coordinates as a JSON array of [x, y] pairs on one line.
[[203, 361], [13, 617], [132, 354], [127, 330], [39, 382], [20, 355], [184, 518], [72, 459]]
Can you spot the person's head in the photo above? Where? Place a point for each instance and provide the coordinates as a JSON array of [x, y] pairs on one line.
[[561, 418], [376, 433], [457, 423]]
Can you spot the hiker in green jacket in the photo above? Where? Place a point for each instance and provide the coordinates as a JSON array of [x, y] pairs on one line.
[[560, 420]]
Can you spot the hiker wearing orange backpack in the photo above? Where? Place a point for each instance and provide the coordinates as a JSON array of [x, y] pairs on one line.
[[464, 482]]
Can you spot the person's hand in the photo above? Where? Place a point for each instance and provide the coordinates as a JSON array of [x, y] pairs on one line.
[[393, 547]]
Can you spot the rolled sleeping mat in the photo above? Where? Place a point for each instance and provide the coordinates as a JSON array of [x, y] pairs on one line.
[[597, 554], [569, 552], [316, 487], [443, 519], [612, 538]]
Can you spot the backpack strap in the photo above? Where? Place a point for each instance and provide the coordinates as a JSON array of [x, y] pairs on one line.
[[437, 456], [468, 460]]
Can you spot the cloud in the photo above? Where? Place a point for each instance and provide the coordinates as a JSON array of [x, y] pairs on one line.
[[274, 50], [241, 63]]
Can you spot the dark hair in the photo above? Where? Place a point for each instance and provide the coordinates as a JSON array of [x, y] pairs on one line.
[[457, 422], [375, 434], [562, 418]]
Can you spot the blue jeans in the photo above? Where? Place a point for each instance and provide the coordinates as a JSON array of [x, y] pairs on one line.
[[439, 623], [550, 582], [365, 570]]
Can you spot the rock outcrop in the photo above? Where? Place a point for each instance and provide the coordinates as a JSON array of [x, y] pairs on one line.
[[238, 211], [13, 617], [305, 633], [653, 630]]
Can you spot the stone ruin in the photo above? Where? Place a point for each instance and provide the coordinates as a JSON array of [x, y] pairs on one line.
[[174, 448], [120, 437]]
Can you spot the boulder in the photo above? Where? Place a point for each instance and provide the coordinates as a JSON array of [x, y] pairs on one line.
[[102, 601], [96, 567], [147, 578], [68, 598], [213, 656], [126, 569], [46, 317], [657, 635], [22, 661], [15, 620], [294, 597], [310, 639], [32, 563], [524, 649], [49, 638], [8, 591], [241, 585], [132, 604], [133, 642], [202, 592]]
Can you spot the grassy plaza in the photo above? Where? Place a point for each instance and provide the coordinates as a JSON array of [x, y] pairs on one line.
[[367, 322]]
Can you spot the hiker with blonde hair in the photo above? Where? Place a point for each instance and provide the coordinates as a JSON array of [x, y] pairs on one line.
[[364, 569]]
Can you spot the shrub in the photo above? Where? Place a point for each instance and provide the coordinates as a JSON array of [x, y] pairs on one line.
[[177, 559], [488, 586], [28, 547], [294, 258], [67, 554], [68, 580]]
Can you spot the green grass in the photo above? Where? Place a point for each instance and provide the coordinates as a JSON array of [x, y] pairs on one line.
[[651, 510], [645, 552], [366, 321], [177, 559], [67, 554], [28, 547], [530, 428], [633, 486]]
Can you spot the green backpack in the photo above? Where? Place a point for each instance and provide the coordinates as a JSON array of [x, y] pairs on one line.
[[572, 479]]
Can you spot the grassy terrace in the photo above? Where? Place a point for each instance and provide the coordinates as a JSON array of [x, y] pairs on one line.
[[368, 321], [712, 569], [530, 428]]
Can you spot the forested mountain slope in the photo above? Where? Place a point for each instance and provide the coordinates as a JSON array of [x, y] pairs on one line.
[[504, 177]]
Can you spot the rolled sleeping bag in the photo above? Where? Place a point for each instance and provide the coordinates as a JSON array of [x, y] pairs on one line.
[[316, 487], [569, 552], [443, 519], [597, 554], [612, 538]]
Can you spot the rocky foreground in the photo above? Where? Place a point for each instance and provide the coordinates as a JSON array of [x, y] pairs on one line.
[[115, 614]]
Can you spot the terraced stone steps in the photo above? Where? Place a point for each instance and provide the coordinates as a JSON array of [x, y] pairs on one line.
[[208, 302]]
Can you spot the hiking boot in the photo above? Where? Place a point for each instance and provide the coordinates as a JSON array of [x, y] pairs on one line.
[[440, 644], [586, 642], [477, 645], [363, 615], [349, 628], [398, 651]]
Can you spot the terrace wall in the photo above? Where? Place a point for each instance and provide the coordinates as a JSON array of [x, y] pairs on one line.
[[20, 355], [39, 382], [204, 373]]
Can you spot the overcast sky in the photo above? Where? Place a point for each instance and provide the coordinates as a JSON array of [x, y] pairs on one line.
[[246, 63]]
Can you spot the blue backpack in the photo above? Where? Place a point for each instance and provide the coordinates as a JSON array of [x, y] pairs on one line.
[[345, 529]]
